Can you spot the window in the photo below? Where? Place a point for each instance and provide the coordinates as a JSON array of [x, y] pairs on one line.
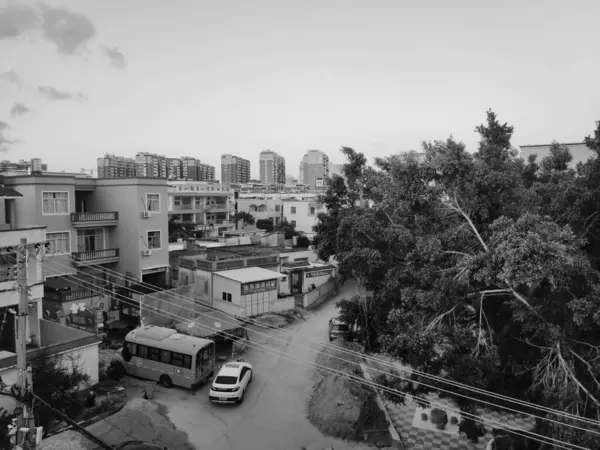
[[153, 203], [293, 210], [276, 208], [165, 356], [56, 203], [177, 201], [293, 222], [59, 242], [132, 348], [143, 351], [226, 297], [312, 211], [199, 200], [90, 240], [154, 240], [154, 354]]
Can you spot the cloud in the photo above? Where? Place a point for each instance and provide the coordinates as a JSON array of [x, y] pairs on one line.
[[6, 144], [19, 109], [116, 57], [11, 77], [51, 93], [66, 29], [15, 20]]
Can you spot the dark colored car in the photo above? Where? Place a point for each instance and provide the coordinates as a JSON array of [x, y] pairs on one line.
[[338, 329]]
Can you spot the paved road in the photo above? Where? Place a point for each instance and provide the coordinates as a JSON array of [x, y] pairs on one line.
[[273, 415]]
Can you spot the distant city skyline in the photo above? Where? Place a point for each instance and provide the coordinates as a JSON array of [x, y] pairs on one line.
[[215, 78]]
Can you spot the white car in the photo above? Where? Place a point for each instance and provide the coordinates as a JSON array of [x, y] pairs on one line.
[[230, 384]]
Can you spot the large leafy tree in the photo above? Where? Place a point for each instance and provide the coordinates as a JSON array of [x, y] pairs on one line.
[[484, 264]]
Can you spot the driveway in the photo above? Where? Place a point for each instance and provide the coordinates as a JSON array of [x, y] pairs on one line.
[[273, 415]]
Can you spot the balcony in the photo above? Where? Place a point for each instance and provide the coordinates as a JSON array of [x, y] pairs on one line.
[[82, 259], [94, 219]]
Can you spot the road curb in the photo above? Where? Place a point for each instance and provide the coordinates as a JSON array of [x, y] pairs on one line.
[[381, 403]]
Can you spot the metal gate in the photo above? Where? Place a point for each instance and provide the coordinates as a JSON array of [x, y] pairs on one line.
[[258, 303]]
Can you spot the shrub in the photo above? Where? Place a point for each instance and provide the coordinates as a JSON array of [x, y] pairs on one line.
[[453, 420], [423, 416], [116, 370], [439, 418]]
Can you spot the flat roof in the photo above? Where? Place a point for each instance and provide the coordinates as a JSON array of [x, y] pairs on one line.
[[250, 274]]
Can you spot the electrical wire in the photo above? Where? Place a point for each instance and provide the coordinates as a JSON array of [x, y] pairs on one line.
[[453, 383], [397, 376], [475, 418]]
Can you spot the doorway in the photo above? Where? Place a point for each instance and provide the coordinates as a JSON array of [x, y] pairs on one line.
[[296, 282]]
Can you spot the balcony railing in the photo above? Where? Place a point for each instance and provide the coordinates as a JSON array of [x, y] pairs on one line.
[[96, 256], [94, 218]]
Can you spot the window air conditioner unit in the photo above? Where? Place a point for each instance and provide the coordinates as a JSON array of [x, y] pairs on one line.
[[146, 252], [146, 215]]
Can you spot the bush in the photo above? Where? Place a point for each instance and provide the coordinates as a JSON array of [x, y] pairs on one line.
[[265, 224], [116, 370], [453, 420], [423, 416], [439, 418], [56, 380], [303, 241]]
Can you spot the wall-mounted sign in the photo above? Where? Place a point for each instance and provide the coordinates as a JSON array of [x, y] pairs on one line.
[[259, 286], [318, 273]]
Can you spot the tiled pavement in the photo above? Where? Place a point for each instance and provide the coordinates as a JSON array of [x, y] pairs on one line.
[[416, 438]]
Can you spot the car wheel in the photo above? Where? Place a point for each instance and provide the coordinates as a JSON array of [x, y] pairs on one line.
[[250, 377], [166, 381]]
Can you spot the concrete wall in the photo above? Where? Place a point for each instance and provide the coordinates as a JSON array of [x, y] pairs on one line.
[[128, 197], [317, 281], [222, 284], [317, 296], [283, 304], [169, 307], [229, 308], [305, 221], [284, 286], [579, 151], [201, 279], [298, 255]]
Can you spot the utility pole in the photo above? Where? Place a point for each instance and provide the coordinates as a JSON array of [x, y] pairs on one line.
[[25, 425]]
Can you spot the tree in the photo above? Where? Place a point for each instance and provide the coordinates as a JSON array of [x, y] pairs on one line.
[[181, 230], [246, 218], [287, 228], [56, 380], [265, 224], [303, 241], [483, 266]]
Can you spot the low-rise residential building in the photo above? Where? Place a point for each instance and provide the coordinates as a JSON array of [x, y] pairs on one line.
[[210, 206], [262, 206], [43, 338], [301, 211], [579, 151]]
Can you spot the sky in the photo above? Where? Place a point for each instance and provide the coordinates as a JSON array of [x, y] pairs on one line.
[[80, 78]]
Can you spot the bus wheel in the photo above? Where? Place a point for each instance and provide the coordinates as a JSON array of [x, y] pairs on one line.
[[166, 381]]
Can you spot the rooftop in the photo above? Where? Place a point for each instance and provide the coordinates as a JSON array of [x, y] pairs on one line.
[[250, 274]]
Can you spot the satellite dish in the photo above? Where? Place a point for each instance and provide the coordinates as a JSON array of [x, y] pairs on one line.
[[217, 325]]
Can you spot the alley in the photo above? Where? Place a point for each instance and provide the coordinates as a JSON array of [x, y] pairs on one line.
[[273, 414]]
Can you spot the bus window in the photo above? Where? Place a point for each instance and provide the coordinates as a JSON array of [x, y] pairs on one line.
[[143, 351], [154, 354], [177, 359], [132, 348], [165, 356]]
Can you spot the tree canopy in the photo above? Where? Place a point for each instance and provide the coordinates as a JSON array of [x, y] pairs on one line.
[[482, 268]]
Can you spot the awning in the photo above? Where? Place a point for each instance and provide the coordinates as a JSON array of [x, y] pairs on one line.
[[9, 193], [57, 283]]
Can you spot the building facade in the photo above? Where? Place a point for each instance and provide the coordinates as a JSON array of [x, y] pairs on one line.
[[119, 224], [34, 165], [210, 206], [579, 151], [314, 170], [234, 169], [272, 168], [262, 206], [112, 166], [302, 212]]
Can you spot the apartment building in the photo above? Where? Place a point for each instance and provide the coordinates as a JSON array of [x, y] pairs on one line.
[[262, 206], [112, 166], [302, 211], [314, 170], [34, 165], [118, 224], [579, 151], [211, 206], [234, 169], [193, 169], [43, 338], [272, 168]]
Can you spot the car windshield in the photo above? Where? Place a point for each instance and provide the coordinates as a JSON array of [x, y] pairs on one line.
[[340, 327], [222, 379]]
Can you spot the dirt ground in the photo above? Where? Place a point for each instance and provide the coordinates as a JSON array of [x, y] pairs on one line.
[[339, 406], [139, 420]]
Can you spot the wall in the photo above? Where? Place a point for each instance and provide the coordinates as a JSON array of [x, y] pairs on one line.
[[579, 151], [284, 286], [222, 284], [127, 197], [201, 279], [297, 255], [261, 207], [317, 281], [168, 307], [283, 304], [304, 220], [229, 308], [319, 295]]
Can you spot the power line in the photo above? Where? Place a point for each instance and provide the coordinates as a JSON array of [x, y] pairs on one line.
[[397, 376], [526, 404], [475, 418]]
